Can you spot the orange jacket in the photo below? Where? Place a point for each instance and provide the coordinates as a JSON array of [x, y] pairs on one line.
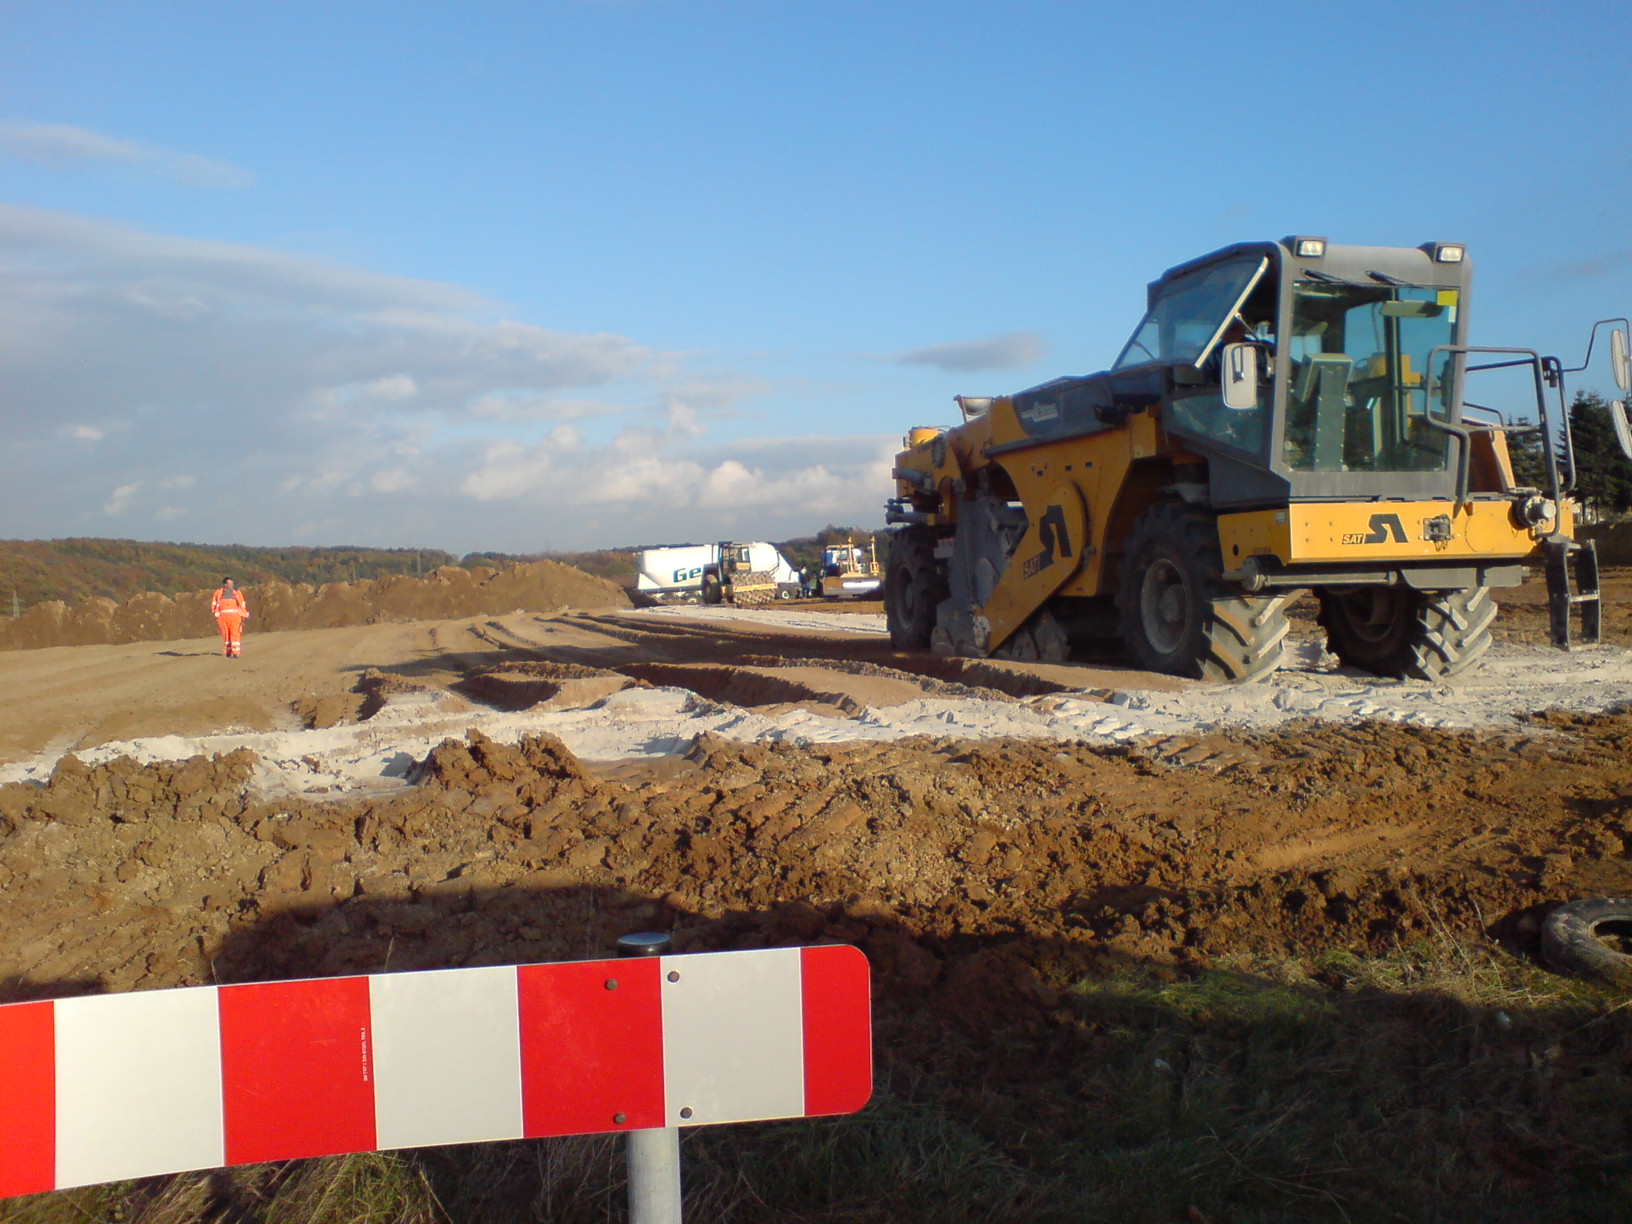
[[229, 605]]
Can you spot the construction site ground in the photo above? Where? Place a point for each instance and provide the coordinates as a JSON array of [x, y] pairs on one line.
[[529, 786]]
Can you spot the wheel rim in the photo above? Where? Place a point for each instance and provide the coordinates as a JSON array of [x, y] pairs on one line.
[[1165, 606], [1371, 616]]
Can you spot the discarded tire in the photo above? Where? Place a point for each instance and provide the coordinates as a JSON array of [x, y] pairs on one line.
[[1571, 939]]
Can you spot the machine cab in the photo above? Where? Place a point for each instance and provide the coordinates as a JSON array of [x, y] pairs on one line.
[[1312, 371]]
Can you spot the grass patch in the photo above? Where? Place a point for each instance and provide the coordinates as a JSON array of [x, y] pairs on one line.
[[1446, 1082]]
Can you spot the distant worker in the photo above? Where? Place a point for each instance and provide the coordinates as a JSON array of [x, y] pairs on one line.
[[230, 612]]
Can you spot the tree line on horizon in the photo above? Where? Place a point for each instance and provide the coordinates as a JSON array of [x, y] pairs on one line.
[[74, 570]]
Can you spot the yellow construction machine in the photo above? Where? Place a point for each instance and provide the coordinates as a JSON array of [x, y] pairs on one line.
[[850, 571], [1288, 417]]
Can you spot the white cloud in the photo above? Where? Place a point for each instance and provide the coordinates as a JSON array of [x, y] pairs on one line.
[[393, 388], [729, 484], [681, 418], [788, 485], [1010, 351], [508, 471], [284, 338], [60, 251], [721, 392], [58, 145], [169, 307], [345, 406], [836, 487], [516, 408], [654, 484], [121, 498], [392, 480]]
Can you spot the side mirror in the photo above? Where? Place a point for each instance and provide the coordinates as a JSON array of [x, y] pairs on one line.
[[1240, 370], [1618, 358], [1623, 432]]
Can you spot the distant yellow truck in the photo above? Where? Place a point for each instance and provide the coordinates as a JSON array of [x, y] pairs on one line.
[[850, 571]]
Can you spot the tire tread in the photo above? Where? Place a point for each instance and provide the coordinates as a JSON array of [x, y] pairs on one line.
[[1241, 637], [1569, 942]]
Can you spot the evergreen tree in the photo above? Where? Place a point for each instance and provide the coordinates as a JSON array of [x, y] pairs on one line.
[[1603, 475], [1529, 463]]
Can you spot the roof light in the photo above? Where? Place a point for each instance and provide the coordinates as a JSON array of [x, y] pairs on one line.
[[1309, 248], [1449, 252]]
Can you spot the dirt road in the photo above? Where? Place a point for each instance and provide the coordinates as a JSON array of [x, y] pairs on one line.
[[72, 698], [69, 697]]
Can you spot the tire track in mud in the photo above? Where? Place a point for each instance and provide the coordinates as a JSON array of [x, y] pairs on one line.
[[634, 645]]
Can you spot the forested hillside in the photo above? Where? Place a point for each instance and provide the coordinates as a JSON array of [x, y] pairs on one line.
[[34, 571]]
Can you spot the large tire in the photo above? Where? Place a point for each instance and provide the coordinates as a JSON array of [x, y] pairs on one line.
[[713, 591], [1570, 940], [1178, 616], [1405, 633], [914, 583]]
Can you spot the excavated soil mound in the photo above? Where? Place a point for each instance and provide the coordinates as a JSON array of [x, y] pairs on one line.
[[521, 686], [979, 879], [366, 699], [444, 594]]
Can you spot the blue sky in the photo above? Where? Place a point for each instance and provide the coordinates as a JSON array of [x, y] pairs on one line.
[[577, 274]]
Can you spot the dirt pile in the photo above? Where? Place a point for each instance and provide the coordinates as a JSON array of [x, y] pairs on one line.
[[979, 879], [446, 593]]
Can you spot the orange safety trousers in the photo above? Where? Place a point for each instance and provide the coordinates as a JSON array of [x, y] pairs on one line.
[[231, 623], [230, 613]]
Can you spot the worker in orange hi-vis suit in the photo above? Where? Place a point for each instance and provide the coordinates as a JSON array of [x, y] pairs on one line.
[[230, 612]]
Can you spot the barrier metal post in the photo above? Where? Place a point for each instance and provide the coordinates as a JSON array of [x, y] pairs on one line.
[[654, 1155]]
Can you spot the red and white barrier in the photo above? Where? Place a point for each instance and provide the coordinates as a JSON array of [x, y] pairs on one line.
[[105, 1087]]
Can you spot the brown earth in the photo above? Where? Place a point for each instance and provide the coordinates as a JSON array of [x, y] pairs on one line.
[[1181, 850], [935, 856], [540, 586], [981, 879]]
